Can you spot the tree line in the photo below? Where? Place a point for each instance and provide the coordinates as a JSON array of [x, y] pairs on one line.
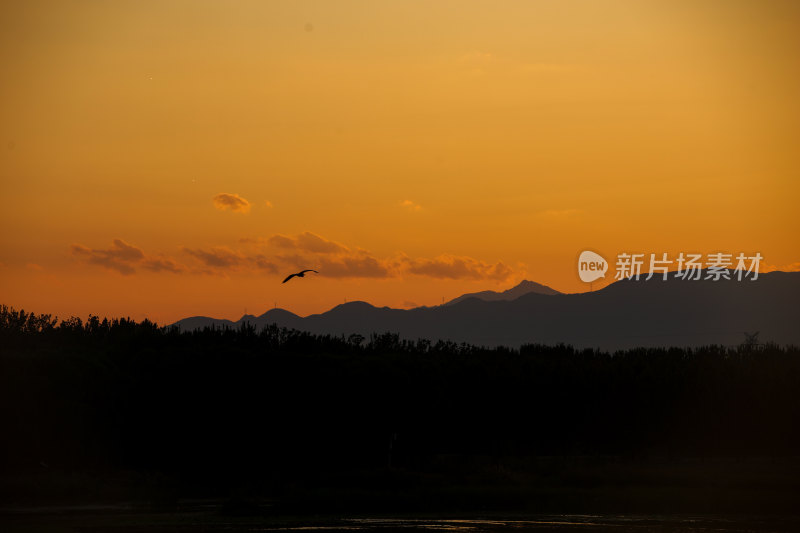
[[267, 404]]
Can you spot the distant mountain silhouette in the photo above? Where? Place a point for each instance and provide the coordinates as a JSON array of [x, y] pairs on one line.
[[513, 293], [624, 314]]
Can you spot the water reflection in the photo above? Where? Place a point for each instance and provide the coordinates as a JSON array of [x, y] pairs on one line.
[[206, 517], [565, 524]]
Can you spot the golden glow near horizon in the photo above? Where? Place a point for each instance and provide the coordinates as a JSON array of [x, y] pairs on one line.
[[168, 159]]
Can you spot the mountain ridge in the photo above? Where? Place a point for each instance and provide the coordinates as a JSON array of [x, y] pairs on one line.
[[624, 314], [522, 288]]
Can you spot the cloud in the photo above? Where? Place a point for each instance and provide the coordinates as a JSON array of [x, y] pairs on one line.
[[335, 260], [261, 262], [453, 267], [332, 259], [279, 253], [314, 243], [280, 241], [408, 204], [120, 257], [359, 266], [162, 264], [124, 251], [308, 242], [254, 240], [125, 258], [233, 202], [268, 204], [350, 265], [220, 257]]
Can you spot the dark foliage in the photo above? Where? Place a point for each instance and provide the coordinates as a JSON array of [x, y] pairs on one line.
[[243, 404]]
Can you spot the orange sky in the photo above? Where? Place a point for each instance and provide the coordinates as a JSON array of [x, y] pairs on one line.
[[167, 159]]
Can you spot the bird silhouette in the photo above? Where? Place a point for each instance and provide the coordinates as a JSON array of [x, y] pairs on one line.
[[300, 274]]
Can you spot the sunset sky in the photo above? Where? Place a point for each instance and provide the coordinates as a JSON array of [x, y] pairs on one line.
[[165, 159]]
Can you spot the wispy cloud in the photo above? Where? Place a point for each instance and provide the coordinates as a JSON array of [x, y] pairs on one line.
[[233, 202], [264, 263], [359, 265], [411, 206], [254, 240], [276, 254], [121, 257], [219, 256], [221, 260], [336, 260], [308, 242], [455, 267], [125, 258], [162, 264]]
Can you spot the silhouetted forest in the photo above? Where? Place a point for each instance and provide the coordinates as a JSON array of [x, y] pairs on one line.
[[273, 408]]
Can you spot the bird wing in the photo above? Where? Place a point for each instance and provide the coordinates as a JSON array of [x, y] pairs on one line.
[[309, 270], [290, 276]]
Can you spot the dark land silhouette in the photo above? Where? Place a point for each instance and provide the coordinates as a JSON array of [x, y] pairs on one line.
[[276, 422], [625, 314], [524, 287]]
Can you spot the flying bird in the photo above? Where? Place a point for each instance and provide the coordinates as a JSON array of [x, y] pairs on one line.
[[300, 274]]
